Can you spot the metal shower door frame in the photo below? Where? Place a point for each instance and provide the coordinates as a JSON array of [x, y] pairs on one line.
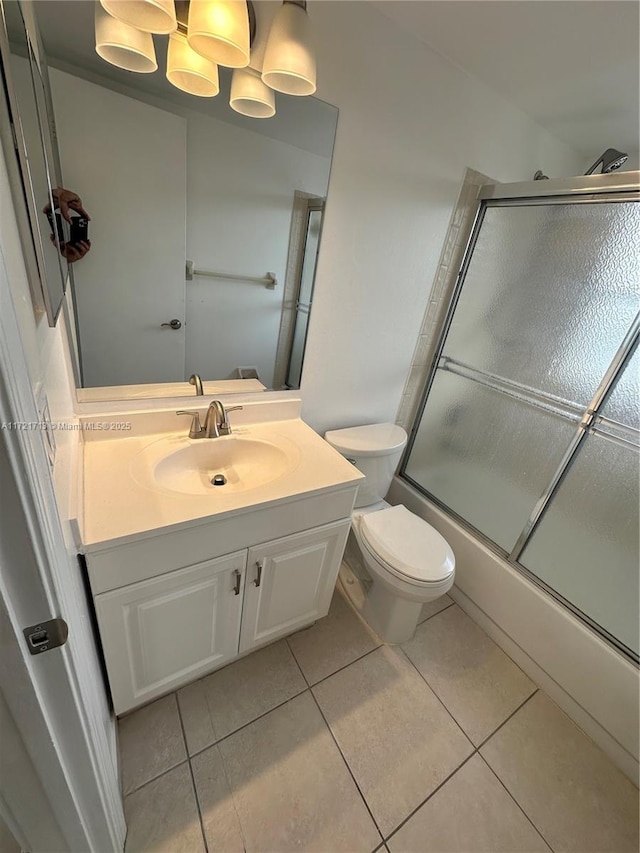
[[590, 189]]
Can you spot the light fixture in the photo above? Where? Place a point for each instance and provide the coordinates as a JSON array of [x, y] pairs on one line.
[[150, 16], [122, 45], [206, 33], [189, 71], [250, 96], [219, 31], [289, 62]]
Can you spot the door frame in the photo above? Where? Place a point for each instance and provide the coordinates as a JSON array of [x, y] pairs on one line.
[[54, 698]]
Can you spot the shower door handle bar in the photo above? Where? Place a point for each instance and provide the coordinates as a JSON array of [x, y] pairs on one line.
[[624, 353], [615, 431], [523, 393]]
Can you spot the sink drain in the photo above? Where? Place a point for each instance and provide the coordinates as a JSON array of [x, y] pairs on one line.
[[218, 480]]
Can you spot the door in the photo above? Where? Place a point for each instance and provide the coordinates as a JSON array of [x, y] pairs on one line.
[[114, 152], [290, 582], [58, 739], [160, 633], [528, 430]]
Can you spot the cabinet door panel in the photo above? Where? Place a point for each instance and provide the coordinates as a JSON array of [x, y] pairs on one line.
[[162, 633], [290, 583]]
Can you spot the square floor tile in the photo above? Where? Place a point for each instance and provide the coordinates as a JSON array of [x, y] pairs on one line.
[[430, 608], [333, 642], [162, 817], [476, 680], [222, 702], [574, 794], [290, 786], [219, 817], [398, 740], [472, 811], [150, 742]]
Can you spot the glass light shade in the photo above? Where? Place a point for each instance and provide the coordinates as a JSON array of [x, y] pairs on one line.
[[122, 45], [219, 31], [150, 16], [189, 71], [250, 96], [289, 63]]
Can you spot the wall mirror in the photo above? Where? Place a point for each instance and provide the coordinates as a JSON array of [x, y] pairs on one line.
[[205, 224], [25, 106]]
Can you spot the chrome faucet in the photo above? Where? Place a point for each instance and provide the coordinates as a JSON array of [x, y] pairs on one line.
[[194, 379], [216, 421]]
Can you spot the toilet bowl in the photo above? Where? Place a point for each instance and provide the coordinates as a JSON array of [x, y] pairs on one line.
[[396, 561]]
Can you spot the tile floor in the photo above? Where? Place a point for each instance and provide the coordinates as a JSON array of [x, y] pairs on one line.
[[331, 741]]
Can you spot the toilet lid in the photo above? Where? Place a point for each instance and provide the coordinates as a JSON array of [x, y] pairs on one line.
[[408, 544]]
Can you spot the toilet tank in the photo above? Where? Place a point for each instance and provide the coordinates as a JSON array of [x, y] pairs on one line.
[[375, 449]]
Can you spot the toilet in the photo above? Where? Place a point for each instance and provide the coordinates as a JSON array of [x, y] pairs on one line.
[[396, 561]]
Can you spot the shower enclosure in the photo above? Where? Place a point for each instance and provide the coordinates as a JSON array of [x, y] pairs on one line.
[[528, 430]]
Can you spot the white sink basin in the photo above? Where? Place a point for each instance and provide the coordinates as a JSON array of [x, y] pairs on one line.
[[238, 462]]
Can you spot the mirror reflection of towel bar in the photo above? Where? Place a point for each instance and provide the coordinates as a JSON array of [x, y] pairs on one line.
[[269, 280]]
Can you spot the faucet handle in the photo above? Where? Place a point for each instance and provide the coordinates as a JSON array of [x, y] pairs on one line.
[[196, 427], [225, 426]]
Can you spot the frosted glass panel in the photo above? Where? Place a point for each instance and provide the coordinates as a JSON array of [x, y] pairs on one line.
[[624, 403], [586, 545], [485, 455], [549, 295]]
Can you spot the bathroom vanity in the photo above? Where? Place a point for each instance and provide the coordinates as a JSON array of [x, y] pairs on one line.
[[187, 576]]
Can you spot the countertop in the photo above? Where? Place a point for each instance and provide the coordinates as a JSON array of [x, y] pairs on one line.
[[118, 508]]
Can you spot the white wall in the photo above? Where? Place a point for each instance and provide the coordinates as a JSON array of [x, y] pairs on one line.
[[409, 124], [240, 195]]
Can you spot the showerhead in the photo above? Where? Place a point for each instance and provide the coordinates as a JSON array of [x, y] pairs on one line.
[[611, 160]]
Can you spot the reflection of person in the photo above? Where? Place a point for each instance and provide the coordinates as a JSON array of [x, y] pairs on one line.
[[65, 201]]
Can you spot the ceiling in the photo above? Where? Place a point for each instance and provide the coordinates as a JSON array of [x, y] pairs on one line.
[[572, 65]]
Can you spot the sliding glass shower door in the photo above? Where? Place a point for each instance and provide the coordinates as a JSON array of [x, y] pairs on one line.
[[529, 425]]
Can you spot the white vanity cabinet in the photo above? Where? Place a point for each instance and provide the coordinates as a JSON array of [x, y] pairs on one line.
[[165, 631], [290, 583]]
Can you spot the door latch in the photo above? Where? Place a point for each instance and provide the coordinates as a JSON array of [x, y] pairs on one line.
[[46, 635]]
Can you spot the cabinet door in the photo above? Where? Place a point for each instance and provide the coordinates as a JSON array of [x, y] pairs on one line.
[[161, 633], [290, 582]]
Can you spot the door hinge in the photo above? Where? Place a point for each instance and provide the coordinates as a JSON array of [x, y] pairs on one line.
[[46, 635]]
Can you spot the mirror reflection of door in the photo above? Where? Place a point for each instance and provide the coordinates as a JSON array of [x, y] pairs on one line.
[[127, 161]]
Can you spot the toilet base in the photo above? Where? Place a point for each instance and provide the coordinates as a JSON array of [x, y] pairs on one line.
[[394, 619]]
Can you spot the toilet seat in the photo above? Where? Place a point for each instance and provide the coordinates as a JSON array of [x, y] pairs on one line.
[[407, 546]]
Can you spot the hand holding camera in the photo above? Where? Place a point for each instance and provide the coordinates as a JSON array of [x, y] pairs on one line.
[[68, 206]]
